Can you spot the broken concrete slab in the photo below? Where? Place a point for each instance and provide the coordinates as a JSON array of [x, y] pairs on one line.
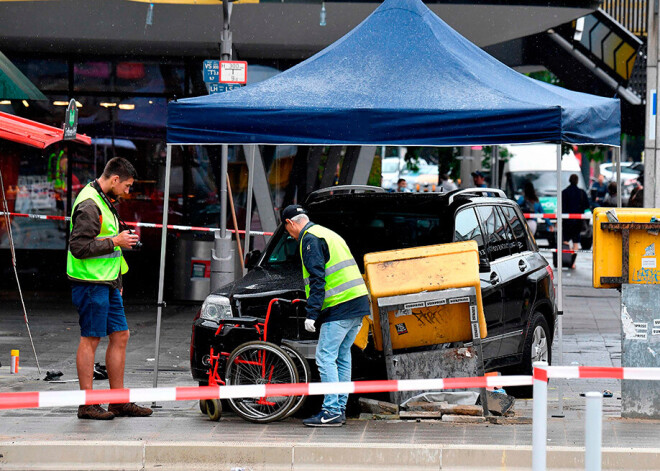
[[500, 404], [420, 414], [378, 407], [463, 419], [370, 416], [459, 409], [425, 406]]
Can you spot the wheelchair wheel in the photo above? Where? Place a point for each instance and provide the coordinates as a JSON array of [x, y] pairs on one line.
[[213, 409], [202, 405], [261, 363], [304, 375]]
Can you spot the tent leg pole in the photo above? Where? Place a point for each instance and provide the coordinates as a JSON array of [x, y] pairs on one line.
[[619, 188], [163, 246], [248, 216], [560, 293]]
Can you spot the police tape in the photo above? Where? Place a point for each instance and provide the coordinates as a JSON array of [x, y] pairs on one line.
[[553, 216], [136, 224], [565, 250], [598, 372], [25, 400]]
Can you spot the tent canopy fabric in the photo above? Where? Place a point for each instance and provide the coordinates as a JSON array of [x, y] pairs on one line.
[[31, 133], [401, 77], [14, 85]]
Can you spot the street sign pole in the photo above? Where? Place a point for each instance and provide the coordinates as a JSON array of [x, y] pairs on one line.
[[222, 260]]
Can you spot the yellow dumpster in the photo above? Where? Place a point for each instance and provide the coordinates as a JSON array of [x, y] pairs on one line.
[[420, 269], [643, 264]]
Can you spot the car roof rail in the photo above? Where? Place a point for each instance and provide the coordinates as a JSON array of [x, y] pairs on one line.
[[344, 189], [495, 192]]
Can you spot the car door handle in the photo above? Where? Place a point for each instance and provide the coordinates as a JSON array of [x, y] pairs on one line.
[[523, 265], [494, 278]]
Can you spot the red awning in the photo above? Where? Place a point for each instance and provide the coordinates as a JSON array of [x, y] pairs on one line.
[[31, 133]]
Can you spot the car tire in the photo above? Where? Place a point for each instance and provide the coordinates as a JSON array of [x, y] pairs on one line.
[[213, 409], [537, 348]]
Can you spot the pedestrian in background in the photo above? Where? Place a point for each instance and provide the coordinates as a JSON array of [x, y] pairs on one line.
[[479, 179], [402, 186], [610, 199], [337, 300], [636, 199], [95, 266], [598, 190], [447, 184], [574, 201], [529, 203]]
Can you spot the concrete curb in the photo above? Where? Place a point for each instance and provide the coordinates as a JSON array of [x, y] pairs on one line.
[[138, 455]]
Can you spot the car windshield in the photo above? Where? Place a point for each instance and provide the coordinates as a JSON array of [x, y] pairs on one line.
[[545, 183], [366, 232]]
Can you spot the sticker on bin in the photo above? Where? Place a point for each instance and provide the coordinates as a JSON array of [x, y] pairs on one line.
[[648, 262], [473, 314], [401, 328], [200, 269], [656, 331], [414, 305], [463, 299], [641, 326], [437, 302]]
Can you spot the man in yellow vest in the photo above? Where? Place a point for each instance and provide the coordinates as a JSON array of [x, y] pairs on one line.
[[95, 266], [337, 301]]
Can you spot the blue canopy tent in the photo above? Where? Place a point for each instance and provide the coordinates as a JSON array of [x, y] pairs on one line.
[[401, 77]]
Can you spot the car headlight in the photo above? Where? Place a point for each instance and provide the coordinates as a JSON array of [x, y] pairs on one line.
[[216, 308]]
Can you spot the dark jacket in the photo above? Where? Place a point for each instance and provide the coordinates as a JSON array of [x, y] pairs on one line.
[[83, 243], [315, 255]]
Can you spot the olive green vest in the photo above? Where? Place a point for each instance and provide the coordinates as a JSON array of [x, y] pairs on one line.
[[343, 280], [102, 267]]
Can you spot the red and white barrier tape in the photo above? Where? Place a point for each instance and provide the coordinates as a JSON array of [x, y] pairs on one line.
[[602, 372], [553, 216], [565, 250], [24, 400], [137, 224]]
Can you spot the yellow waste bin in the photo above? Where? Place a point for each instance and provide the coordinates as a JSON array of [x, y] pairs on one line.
[[420, 269], [643, 264]]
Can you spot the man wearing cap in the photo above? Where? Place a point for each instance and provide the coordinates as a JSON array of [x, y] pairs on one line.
[[337, 301], [479, 179]]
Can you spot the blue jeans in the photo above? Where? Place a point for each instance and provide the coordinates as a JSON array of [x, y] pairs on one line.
[[333, 357]]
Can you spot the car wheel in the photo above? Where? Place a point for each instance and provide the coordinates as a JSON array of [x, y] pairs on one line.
[[537, 348], [213, 409]]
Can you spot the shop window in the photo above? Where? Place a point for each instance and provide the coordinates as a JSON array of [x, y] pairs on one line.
[[45, 74]]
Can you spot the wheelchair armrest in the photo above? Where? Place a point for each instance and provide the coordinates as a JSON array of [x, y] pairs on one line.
[[242, 321]]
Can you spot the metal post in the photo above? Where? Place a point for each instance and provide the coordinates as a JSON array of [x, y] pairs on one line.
[[617, 159], [248, 217], [593, 431], [539, 416], [560, 291], [222, 255], [495, 168], [163, 246]]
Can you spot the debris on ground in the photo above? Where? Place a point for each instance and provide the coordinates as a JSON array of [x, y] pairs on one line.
[[53, 375]]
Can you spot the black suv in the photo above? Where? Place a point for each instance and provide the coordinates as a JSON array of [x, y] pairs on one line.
[[516, 281]]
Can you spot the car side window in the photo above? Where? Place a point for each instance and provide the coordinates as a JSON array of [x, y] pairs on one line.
[[466, 227], [522, 240], [498, 234]]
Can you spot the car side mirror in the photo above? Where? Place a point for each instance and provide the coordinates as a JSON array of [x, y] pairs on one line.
[[484, 265], [251, 259]]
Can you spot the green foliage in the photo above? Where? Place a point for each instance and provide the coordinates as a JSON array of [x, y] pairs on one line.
[[487, 152]]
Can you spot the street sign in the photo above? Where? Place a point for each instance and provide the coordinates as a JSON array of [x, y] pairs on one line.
[[233, 72], [222, 87], [211, 71], [71, 121]]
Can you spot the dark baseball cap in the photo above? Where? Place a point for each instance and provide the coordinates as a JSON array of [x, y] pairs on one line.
[[478, 173], [292, 211]]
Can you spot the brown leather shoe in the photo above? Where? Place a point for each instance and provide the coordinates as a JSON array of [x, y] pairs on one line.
[[129, 409], [94, 412]]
